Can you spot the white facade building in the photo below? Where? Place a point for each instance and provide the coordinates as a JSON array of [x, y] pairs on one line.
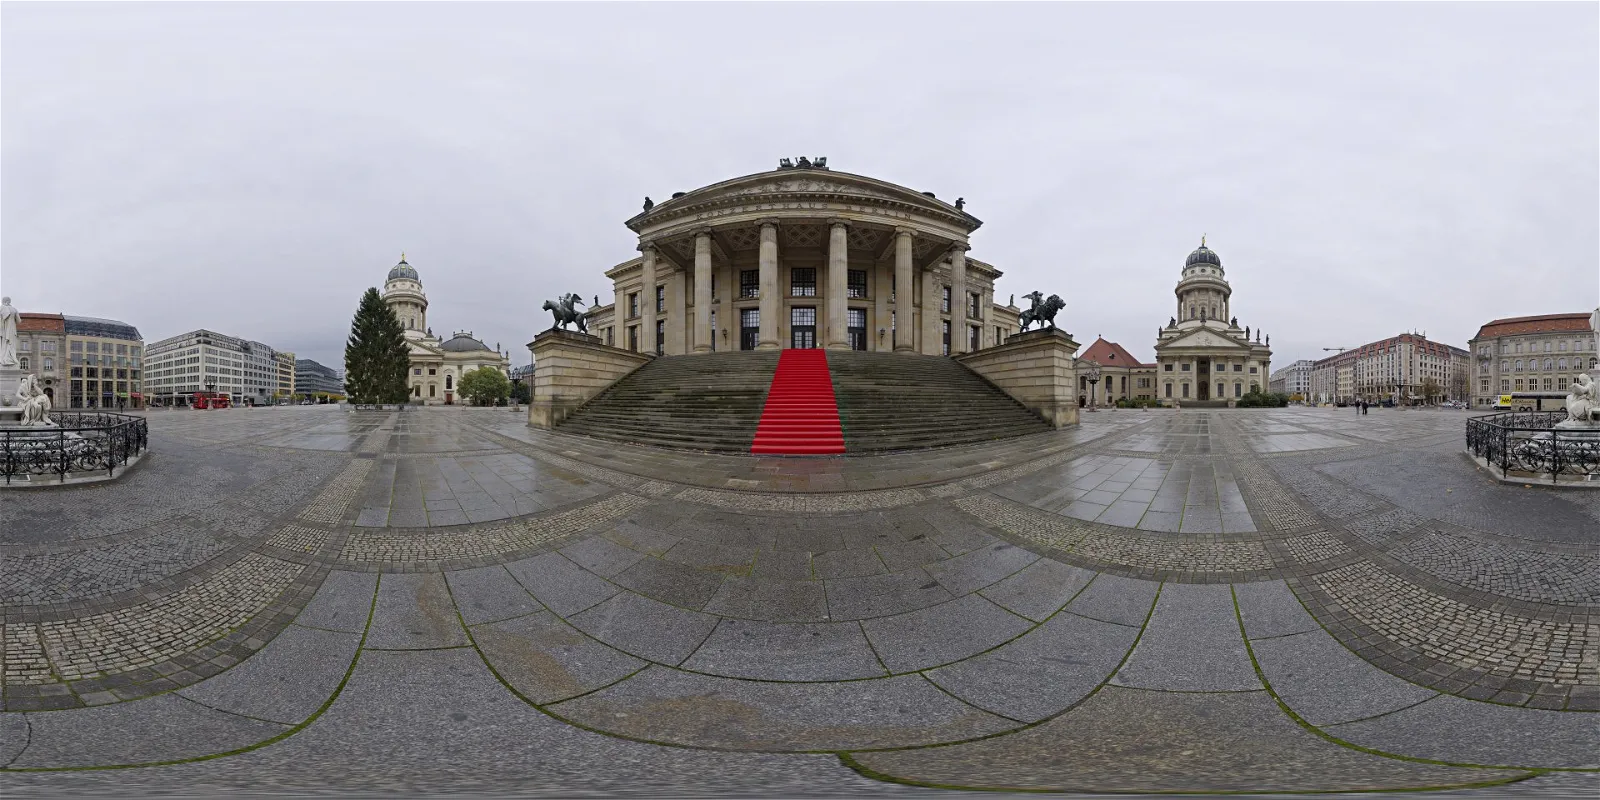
[[206, 361]]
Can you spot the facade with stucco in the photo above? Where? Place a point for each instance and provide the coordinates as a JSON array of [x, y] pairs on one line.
[[1202, 355], [436, 364]]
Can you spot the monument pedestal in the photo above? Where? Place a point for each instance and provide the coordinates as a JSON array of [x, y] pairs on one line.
[[569, 368], [1036, 368]]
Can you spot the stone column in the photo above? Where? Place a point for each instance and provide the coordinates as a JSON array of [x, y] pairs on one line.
[[838, 284], [678, 327], [932, 295], [959, 332], [904, 293], [647, 299], [768, 337], [701, 338], [986, 305]]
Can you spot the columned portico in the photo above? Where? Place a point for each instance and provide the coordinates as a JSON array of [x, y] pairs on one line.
[[803, 257]]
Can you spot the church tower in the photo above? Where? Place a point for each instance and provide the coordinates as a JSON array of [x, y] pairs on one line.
[[403, 292], [1203, 292]]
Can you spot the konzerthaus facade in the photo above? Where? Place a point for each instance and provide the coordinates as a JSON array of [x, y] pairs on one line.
[[803, 256]]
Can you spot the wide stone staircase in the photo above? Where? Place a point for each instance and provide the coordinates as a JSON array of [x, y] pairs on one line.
[[891, 401], [886, 402], [699, 402]]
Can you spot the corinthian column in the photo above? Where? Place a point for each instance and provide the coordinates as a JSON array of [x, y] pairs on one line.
[[701, 337], [838, 284], [647, 299], [959, 333], [767, 338], [904, 293]]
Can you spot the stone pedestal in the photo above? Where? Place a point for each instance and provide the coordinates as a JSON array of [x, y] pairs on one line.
[[10, 379], [1037, 368], [569, 368]]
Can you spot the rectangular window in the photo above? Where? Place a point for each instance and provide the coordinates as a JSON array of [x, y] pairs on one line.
[[1238, 368], [944, 301], [611, 336], [856, 328], [76, 347], [416, 371], [661, 337], [94, 347], [1186, 391], [856, 283], [25, 346], [1168, 367], [1186, 366], [975, 305], [661, 299], [633, 338], [749, 328], [1238, 389], [974, 335], [1169, 390], [1252, 370], [749, 282], [633, 305], [803, 282], [944, 331], [803, 327]]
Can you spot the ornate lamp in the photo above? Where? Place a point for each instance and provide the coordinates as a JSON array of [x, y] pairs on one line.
[[1092, 375]]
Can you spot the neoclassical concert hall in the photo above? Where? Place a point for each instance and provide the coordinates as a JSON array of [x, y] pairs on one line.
[[803, 257]]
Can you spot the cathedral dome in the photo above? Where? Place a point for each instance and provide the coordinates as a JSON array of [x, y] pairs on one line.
[[403, 270], [1203, 255], [463, 342]]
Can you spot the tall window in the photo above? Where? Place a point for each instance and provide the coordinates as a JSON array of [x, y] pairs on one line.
[[633, 338], [611, 336], [661, 299], [49, 364], [749, 282], [803, 327], [945, 329], [633, 304], [856, 283], [749, 328], [974, 305], [974, 334], [803, 282], [857, 328], [661, 336], [944, 300]]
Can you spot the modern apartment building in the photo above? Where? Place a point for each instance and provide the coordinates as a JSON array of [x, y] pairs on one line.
[[1406, 369], [1294, 379], [1530, 354], [105, 359], [311, 377], [285, 364], [207, 361]]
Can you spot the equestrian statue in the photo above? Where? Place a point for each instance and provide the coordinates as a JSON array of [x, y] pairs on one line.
[[1043, 311], [564, 309]]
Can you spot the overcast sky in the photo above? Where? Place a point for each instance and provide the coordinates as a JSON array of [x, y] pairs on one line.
[[1363, 169]]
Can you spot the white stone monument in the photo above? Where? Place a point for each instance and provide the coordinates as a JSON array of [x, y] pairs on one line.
[[1583, 404], [10, 372]]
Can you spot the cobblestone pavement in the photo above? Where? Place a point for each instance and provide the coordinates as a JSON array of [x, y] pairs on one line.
[[304, 598]]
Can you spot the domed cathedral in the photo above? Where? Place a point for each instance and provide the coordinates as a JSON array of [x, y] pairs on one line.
[[1202, 355], [803, 257], [436, 364]]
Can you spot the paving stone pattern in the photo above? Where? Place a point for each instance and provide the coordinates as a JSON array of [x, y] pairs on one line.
[[481, 606]]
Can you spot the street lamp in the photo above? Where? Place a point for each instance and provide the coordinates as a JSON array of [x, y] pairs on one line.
[[1092, 374]]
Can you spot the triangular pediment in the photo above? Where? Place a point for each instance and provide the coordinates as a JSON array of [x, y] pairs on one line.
[[419, 349], [792, 182], [1205, 339]]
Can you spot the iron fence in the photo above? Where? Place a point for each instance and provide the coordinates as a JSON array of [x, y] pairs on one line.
[[1529, 442], [79, 442]]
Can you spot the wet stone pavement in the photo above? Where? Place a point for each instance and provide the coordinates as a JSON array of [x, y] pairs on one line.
[[309, 599]]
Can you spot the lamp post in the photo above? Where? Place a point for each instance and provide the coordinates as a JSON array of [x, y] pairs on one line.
[[1092, 374]]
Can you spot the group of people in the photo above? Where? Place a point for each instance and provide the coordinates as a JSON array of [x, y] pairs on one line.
[[1361, 406]]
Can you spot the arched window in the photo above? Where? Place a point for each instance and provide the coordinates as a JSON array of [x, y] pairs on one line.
[[1548, 364], [23, 362], [449, 382], [1519, 365], [49, 364]]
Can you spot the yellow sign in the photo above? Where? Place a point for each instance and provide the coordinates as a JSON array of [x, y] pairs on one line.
[[1505, 400]]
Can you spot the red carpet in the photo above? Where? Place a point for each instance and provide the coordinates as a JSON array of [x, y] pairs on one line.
[[801, 416]]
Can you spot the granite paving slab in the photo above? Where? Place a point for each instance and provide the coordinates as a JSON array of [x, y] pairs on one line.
[[561, 585], [287, 681], [546, 660], [941, 634], [162, 728], [414, 612], [646, 628], [1450, 728], [780, 651], [1191, 643]]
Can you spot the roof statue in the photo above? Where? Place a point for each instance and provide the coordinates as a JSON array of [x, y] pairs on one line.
[[820, 162], [1269, 340], [1233, 323], [648, 203], [1172, 322], [961, 203], [1202, 240], [1247, 333]]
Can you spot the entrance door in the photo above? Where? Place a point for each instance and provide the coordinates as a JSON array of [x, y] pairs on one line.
[[749, 328], [803, 327], [1204, 368], [858, 329]]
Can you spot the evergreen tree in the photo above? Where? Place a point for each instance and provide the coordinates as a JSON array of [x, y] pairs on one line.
[[376, 358]]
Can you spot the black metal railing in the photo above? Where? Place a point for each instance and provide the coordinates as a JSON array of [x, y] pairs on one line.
[[1529, 442], [79, 443]]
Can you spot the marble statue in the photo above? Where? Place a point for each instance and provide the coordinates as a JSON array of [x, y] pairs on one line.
[[8, 333], [1583, 404], [35, 403]]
